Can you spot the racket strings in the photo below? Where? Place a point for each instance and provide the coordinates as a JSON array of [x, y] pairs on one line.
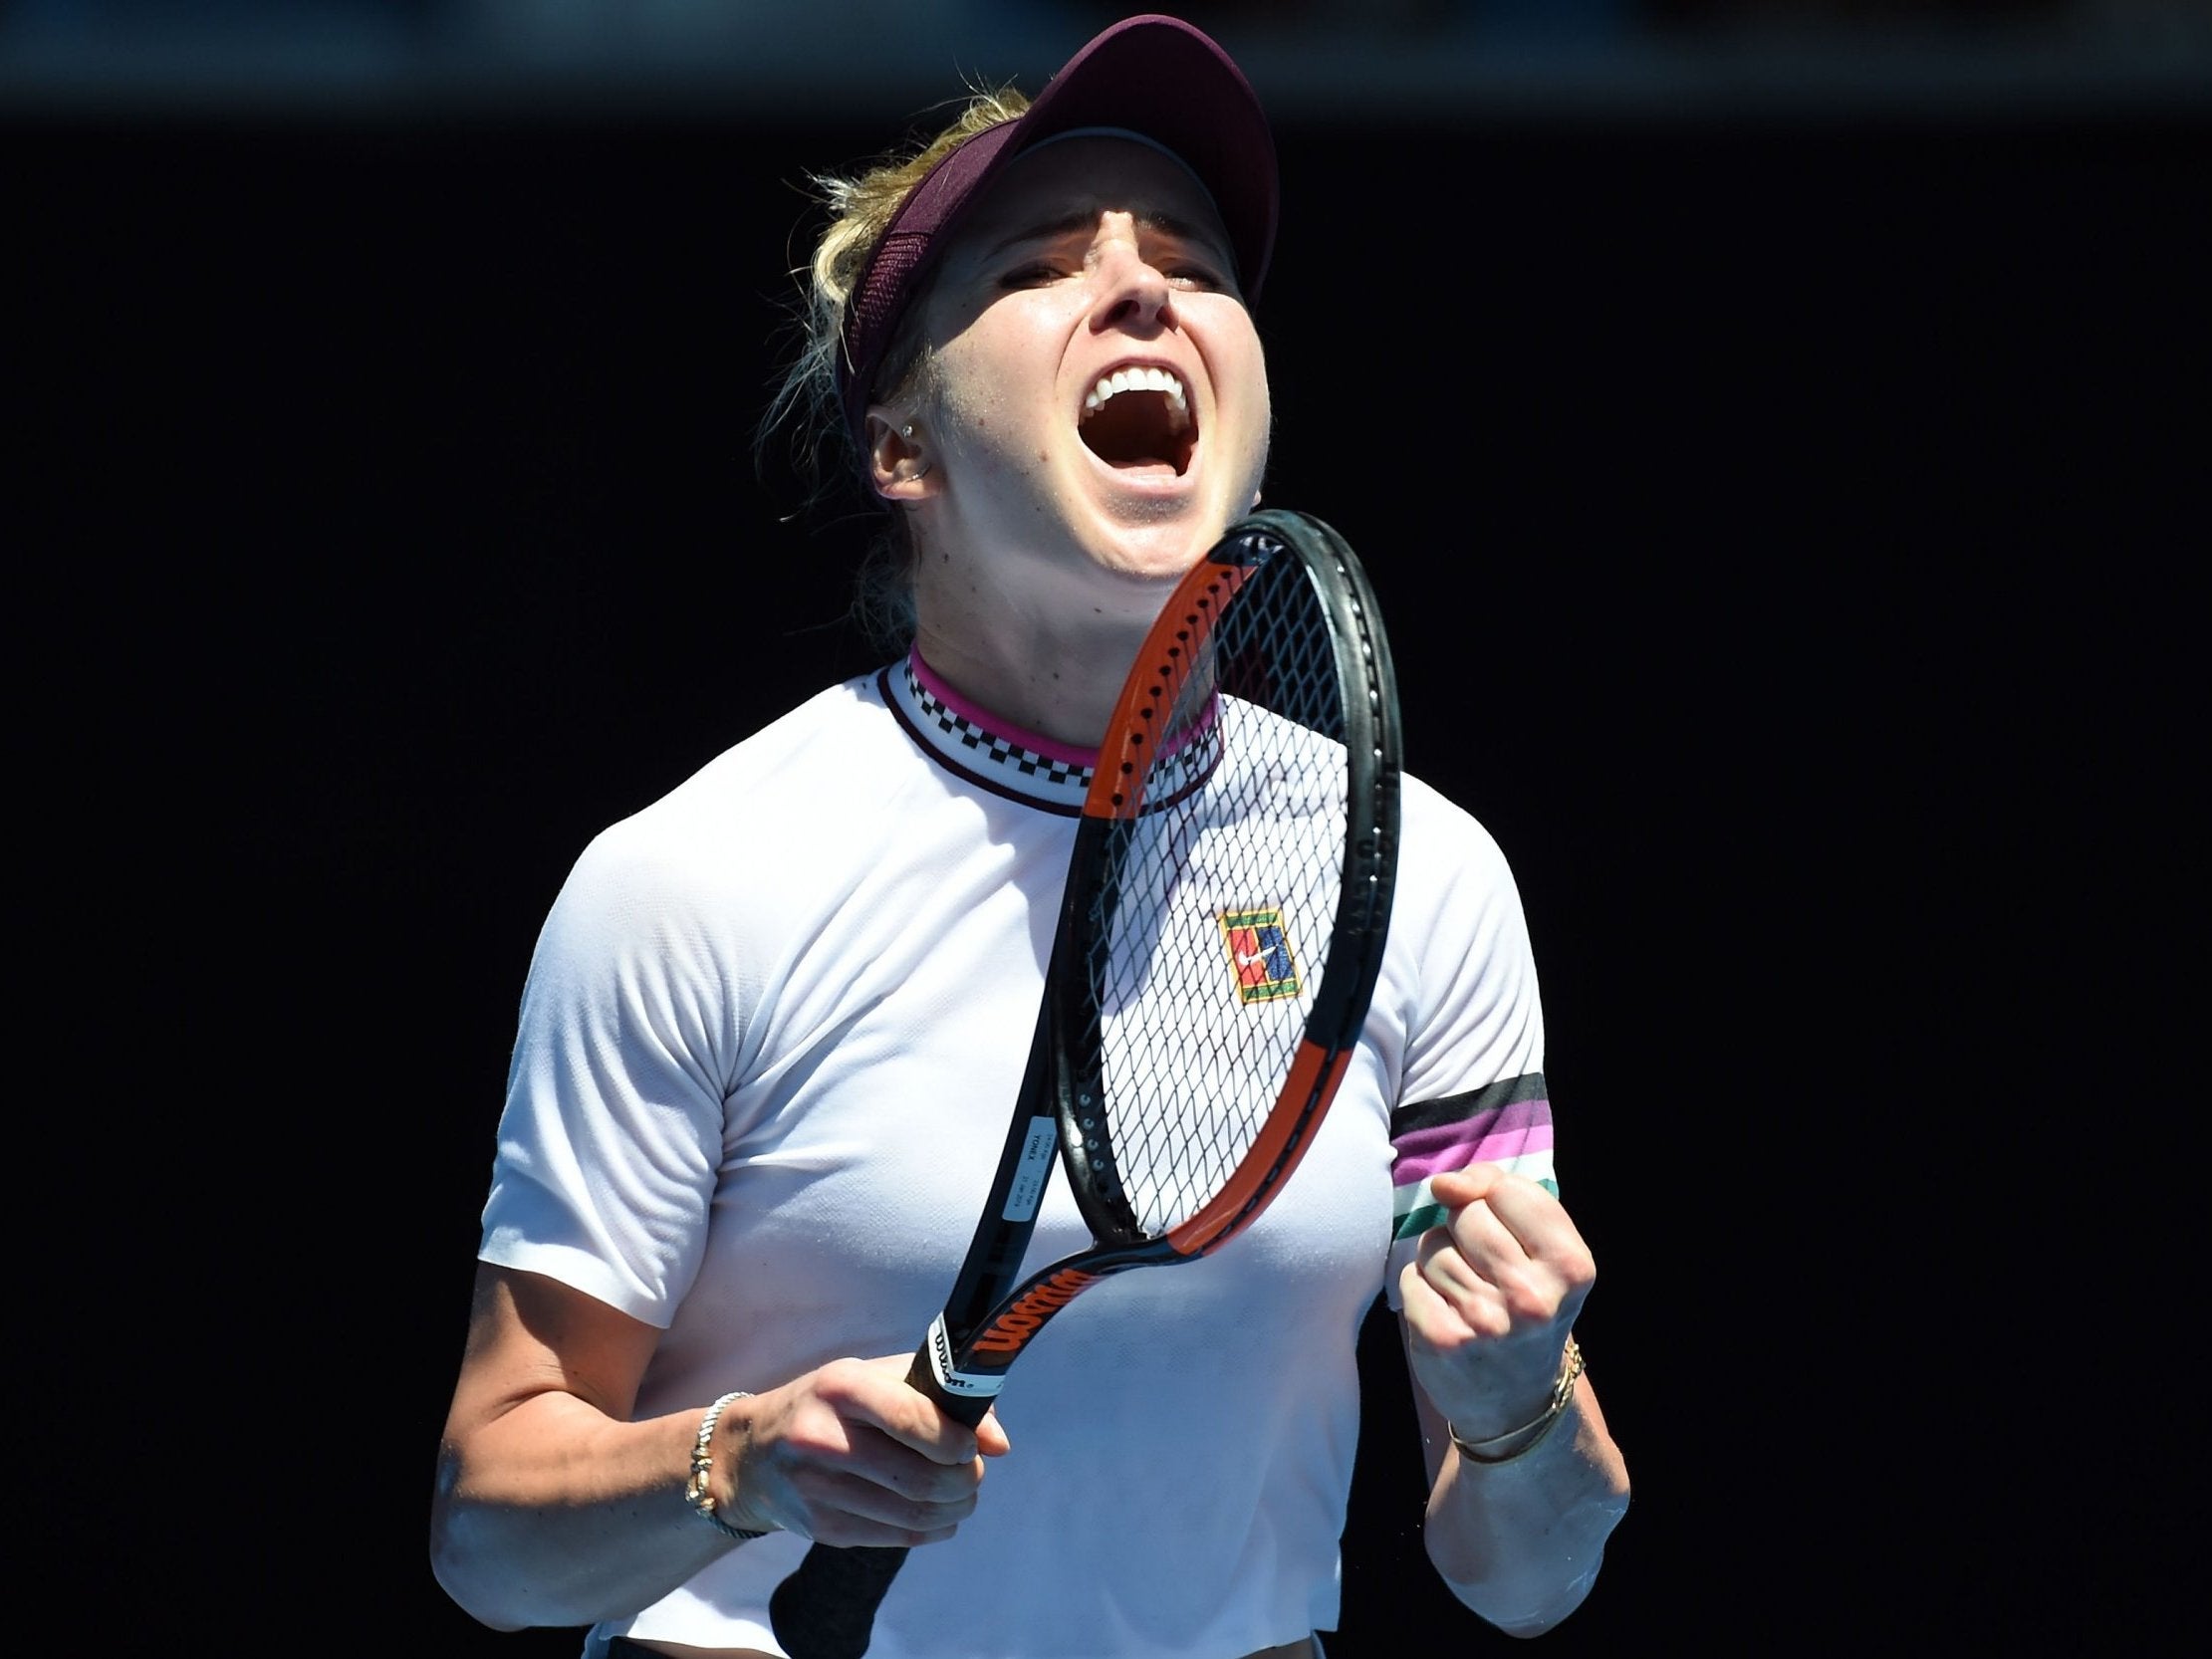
[[1207, 947]]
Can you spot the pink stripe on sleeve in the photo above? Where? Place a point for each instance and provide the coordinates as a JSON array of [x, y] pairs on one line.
[[1524, 1126]]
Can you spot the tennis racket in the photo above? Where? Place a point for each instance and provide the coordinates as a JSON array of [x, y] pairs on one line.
[[1227, 899]]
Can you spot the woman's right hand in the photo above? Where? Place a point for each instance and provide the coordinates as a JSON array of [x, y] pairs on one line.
[[556, 1506], [848, 1455]]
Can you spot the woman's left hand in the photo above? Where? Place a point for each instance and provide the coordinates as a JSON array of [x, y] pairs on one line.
[[1491, 1297]]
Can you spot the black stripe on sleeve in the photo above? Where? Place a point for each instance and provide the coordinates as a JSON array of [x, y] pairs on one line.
[[1457, 1108]]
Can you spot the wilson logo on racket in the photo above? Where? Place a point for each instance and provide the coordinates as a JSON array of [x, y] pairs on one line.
[[1020, 1322], [1260, 955]]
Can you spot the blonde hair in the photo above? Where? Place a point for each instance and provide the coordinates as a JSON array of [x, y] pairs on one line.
[[806, 399], [861, 209]]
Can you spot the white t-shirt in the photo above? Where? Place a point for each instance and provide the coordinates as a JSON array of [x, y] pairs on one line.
[[769, 1046]]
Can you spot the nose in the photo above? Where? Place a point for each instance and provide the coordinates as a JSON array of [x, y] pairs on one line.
[[1131, 290]]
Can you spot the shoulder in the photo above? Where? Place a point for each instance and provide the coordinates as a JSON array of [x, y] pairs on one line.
[[838, 743], [786, 782], [1458, 930], [1444, 848], [799, 794]]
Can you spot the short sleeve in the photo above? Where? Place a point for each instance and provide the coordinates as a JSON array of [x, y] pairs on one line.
[[611, 1141], [1472, 1088]]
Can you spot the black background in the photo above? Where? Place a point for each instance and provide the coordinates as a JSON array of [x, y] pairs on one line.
[[1779, 522]]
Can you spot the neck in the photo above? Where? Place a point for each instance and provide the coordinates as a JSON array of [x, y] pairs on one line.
[[1054, 666], [1060, 687]]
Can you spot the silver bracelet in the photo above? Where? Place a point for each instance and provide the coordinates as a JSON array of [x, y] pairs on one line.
[[695, 1490]]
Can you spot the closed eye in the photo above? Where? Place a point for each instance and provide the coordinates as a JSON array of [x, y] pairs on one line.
[[1201, 277]]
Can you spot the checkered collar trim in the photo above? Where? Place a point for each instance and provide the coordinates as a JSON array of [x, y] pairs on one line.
[[1021, 766], [957, 736]]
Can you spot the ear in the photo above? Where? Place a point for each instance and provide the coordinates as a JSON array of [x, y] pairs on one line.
[[902, 465]]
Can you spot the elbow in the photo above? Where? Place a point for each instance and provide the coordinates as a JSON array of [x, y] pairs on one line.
[[467, 1578], [465, 1555], [1514, 1611], [1529, 1584], [1538, 1621], [489, 1562]]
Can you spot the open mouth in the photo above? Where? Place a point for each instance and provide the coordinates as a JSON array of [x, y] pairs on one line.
[[1137, 418]]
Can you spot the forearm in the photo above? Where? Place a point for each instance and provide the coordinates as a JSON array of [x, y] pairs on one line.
[[554, 1513], [1520, 1542]]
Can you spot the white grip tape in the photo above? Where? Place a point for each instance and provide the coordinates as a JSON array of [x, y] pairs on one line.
[[963, 1384]]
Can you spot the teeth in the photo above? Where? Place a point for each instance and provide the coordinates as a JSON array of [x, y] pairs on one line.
[[1112, 385]]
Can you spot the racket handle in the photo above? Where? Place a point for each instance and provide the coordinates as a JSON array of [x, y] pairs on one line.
[[826, 1609]]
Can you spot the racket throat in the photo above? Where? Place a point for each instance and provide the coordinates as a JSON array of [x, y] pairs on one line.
[[1008, 1331]]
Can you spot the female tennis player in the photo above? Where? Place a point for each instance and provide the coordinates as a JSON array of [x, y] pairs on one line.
[[775, 1023]]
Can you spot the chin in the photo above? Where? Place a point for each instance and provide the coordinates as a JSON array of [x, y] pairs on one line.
[[1160, 552]]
